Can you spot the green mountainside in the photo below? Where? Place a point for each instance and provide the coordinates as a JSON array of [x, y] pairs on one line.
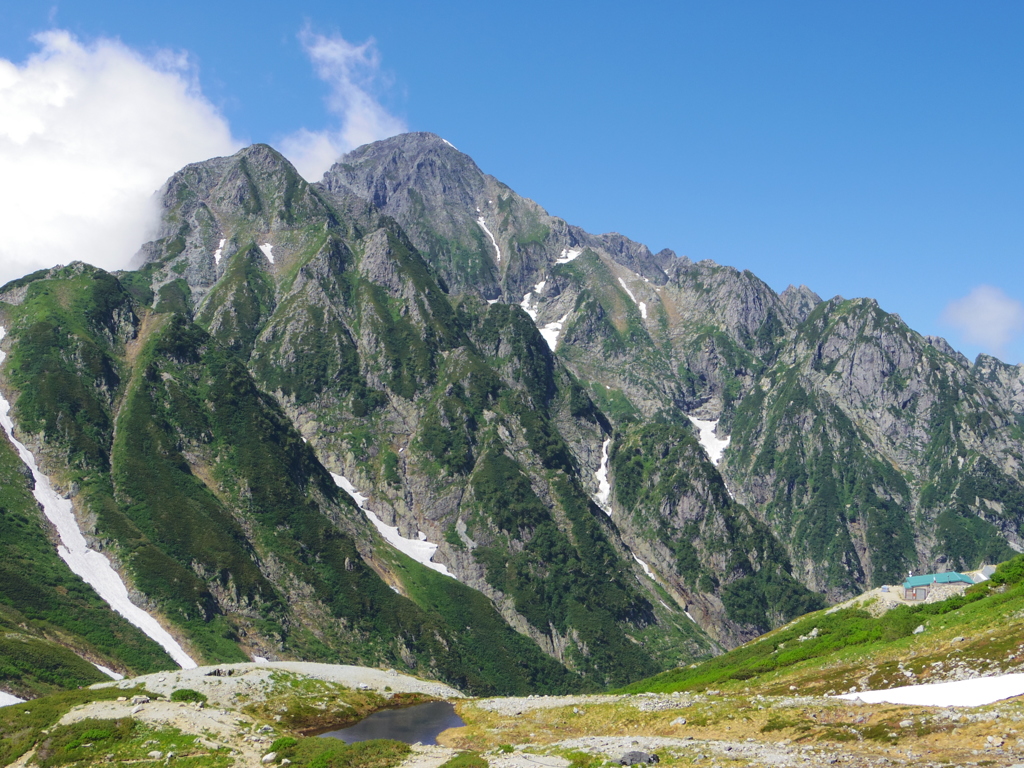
[[861, 647], [52, 624], [499, 383]]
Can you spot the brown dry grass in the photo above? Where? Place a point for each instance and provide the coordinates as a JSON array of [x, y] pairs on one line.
[[855, 733]]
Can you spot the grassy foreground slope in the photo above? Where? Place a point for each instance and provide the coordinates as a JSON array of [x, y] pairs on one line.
[[847, 649]]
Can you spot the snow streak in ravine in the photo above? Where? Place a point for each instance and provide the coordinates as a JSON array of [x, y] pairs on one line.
[[604, 488], [551, 330], [494, 242], [421, 551], [92, 566]]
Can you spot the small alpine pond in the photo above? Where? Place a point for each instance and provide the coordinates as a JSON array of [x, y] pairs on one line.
[[421, 723]]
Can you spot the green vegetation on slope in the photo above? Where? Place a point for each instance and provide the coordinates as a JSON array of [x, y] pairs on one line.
[[22, 725], [677, 498], [48, 615], [826, 483], [498, 659], [825, 650], [561, 584], [64, 365]]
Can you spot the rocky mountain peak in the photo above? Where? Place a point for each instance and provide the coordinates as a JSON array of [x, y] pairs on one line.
[[946, 348], [800, 301], [384, 172]]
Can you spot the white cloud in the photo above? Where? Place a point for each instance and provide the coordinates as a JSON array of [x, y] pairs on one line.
[[986, 317], [352, 72], [87, 133]]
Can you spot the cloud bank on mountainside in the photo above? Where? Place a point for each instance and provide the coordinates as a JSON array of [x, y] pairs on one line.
[[88, 132]]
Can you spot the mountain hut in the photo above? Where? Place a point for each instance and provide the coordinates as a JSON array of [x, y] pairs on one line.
[[918, 587]]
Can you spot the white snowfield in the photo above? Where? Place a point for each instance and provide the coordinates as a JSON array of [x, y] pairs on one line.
[[218, 252], [494, 242], [551, 330], [604, 488], [93, 567], [421, 551], [643, 309], [568, 254], [7, 699], [268, 251], [713, 446], [960, 693]]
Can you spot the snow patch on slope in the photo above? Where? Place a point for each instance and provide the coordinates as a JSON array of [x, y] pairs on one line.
[[551, 330], [713, 446], [268, 251], [538, 289], [7, 699], [641, 305], [568, 254], [626, 289], [419, 550], [109, 672], [494, 242], [960, 693], [450, 144], [93, 567], [525, 304], [604, 488], [647, 568], [218, 252]]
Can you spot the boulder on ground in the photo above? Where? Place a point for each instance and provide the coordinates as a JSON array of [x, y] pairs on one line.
[[638, 758]]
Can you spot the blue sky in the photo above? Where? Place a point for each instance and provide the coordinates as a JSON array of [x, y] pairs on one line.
[[864, 149]]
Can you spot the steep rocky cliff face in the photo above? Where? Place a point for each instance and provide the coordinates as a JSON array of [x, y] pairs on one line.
[[531, 406], [658, 331]]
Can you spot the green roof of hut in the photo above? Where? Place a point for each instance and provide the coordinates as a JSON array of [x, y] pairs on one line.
[[949, 577]]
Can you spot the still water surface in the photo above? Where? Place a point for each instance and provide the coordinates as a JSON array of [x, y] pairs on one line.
[[421, 723]]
